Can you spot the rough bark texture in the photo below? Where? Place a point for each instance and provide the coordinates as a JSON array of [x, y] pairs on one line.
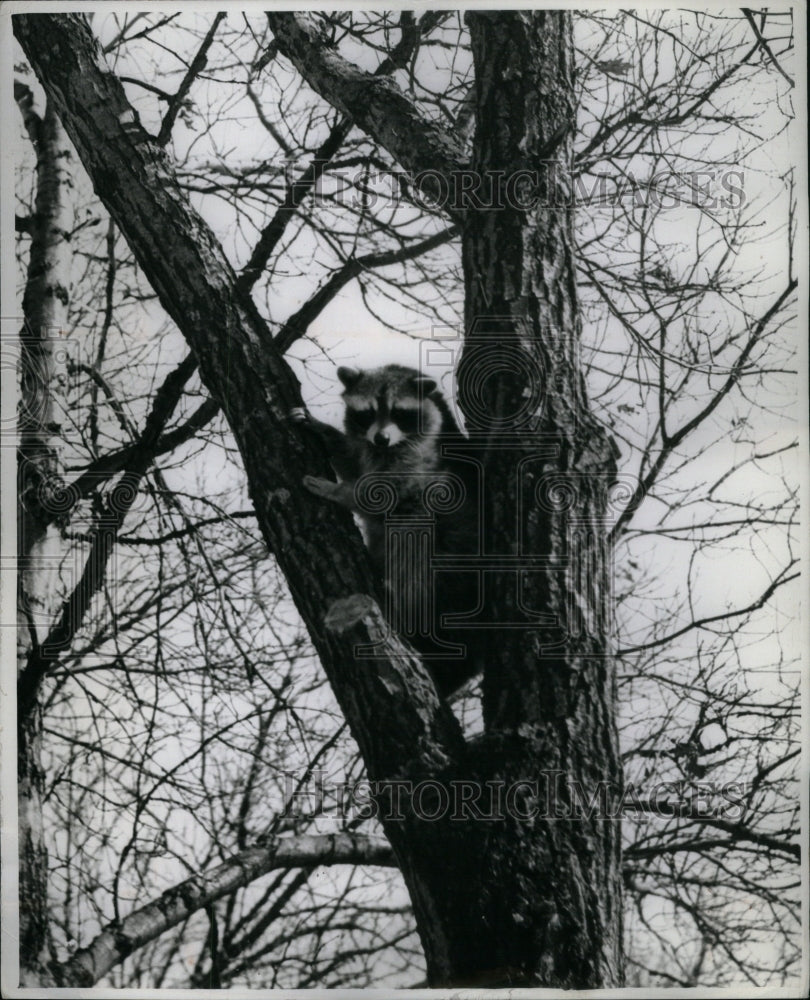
[[549, 466], [505, 898], [256, 389], [374, 103], [538, 901], [39, 466], [237, 359]]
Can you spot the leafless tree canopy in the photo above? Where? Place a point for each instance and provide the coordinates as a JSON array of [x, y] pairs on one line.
[[194, 805]]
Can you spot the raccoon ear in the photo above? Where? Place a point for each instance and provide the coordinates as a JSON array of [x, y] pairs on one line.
[[348, 376], [424, 385]]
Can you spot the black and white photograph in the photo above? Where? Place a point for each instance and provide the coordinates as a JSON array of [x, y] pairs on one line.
[[404, 438]]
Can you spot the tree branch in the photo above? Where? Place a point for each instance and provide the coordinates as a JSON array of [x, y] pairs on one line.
[[674, 117], [375, 103], [333, 586], [765, 46], [298, 189], [194, 70], [107, 466], [296, 325], [723, 616], [117, 941], [671, 441], [190, 529], [115, 509]]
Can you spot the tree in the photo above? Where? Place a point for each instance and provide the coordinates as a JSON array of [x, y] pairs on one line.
[[44, 305], [526, 899]]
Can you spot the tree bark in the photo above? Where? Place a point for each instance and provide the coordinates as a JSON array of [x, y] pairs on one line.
[[316, 545], [535, 902], [547, 463], [237, 359], [374, 102], [504, 895], [39, 482]]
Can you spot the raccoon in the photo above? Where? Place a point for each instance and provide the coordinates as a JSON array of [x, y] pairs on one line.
[[417, 504]]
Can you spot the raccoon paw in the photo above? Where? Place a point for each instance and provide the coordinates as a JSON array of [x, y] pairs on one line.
[[298, 415], [320, 487]]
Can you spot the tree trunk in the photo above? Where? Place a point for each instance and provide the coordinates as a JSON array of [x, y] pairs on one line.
[[529, 901], [39, 544], [503, 894]]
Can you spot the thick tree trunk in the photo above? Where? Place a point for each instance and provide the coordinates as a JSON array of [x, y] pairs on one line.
[[531, 901], [549, 894], [503, 894], [39, 545]]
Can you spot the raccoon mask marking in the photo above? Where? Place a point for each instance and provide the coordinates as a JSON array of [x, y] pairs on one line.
[[392, 417]]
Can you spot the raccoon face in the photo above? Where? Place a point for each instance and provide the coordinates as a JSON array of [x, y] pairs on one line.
[[389, 407]]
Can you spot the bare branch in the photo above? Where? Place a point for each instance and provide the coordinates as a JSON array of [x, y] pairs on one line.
[[197, 66], [298, 189], [107, 466], [749, 16], [296, 192], [375, 103], [724, 616], [296, 325], [118, 940], [115, 509]]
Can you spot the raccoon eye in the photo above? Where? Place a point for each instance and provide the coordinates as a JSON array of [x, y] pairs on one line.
[[406, 420], [360, 420]]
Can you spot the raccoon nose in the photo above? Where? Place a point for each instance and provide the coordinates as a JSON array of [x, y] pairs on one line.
[[381, 439]]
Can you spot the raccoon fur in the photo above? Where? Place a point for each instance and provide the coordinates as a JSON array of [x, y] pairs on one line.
[[417, 504]]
